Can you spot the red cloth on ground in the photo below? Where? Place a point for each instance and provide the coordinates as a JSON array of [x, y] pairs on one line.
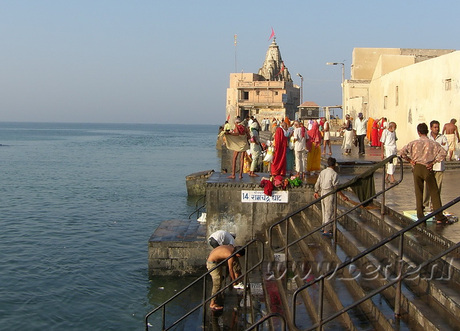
[[268, 187], [278, 166]]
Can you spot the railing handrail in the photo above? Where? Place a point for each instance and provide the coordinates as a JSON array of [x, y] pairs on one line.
[[203, 278], [197, 210], [373, 248], [339, 188], [265, 318]]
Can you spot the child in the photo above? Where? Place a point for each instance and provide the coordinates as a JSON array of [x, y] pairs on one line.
[[327, 181]]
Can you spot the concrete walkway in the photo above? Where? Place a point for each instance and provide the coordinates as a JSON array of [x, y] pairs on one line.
[[402, 197]]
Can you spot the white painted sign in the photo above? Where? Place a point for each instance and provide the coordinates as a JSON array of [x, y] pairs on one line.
[[260, 196]]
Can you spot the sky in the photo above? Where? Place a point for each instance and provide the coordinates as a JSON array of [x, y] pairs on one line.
[[167, 62]]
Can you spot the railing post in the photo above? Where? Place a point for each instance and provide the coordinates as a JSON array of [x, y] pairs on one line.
[[382, 206], [334, 225], [245, 282], [398, 275], [286, 248], [321, 304], [204, 302]]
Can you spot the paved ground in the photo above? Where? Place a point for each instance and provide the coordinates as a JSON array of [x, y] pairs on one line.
[[402, 197]]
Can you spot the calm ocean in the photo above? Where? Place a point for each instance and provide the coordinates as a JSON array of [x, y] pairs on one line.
[[78, 203]]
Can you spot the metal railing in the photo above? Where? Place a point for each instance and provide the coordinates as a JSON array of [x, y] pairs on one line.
[[266, 318], [203, 278], [286, 220], [400, 276], [197, 209]]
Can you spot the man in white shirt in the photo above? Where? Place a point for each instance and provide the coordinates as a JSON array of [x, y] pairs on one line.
[[388, 141], [221, 237], [299, 148], [438, 167], [327, 181], [360, 131]]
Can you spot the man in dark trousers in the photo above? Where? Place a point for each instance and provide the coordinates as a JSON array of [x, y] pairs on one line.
[[360, 128], [422, 154]]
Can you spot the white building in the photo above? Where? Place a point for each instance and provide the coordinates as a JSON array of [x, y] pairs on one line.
[[408, 86]]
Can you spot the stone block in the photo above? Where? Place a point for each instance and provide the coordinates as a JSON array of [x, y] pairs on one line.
[[158, 252]]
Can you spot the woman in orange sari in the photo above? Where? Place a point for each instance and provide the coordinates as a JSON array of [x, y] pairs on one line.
[[314, 154]]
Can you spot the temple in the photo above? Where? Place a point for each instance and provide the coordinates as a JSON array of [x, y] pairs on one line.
[[268, 94]]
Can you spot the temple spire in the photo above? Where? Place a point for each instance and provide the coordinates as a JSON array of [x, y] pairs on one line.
[[273, 68]]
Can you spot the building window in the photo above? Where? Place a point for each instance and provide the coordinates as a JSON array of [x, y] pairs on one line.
[[447, 84], [245, 95], [397, 96], [385, 100], [257, 92], [276, 92]]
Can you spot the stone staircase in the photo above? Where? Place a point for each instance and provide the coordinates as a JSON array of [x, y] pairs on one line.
[[430, 299]]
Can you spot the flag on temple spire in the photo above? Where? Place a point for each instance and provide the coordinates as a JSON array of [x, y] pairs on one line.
[[272, 34]]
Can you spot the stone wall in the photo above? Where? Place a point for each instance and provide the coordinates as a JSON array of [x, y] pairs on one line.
[[178, 247], [248, 220]]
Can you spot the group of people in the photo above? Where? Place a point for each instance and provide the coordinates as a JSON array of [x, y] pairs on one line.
[[354, 133], [295, 145], [299, 146], [426, 155]]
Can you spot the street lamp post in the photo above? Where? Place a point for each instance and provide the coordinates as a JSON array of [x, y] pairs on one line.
[[343, 80], [301, 87]]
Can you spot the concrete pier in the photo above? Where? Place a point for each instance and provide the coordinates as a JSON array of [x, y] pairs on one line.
[[179, 247]]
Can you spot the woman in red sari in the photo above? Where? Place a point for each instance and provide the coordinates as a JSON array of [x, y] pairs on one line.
[[278, 166], [375, 141]]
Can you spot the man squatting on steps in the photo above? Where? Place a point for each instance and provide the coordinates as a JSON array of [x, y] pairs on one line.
[[216, 256]]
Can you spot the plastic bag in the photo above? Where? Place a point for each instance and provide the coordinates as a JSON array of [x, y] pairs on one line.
[[269, 156], [291, 143]]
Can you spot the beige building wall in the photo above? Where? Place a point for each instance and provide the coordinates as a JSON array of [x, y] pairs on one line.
[[389, 63], [250, 94], [417, 93], [356, 95], [364, 61]]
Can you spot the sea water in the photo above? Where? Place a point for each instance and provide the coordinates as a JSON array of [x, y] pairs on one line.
[[78, 203]]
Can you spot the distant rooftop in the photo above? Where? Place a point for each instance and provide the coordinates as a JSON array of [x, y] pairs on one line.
[[309, 104]]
